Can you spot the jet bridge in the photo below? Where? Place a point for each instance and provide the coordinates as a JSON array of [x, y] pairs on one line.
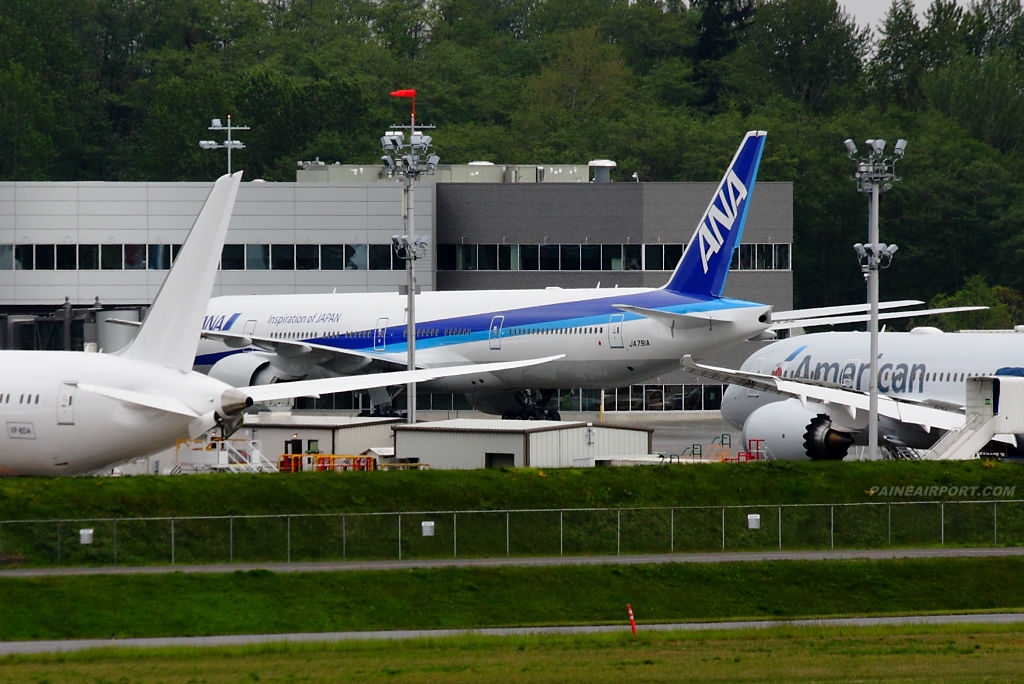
[[995, 406]]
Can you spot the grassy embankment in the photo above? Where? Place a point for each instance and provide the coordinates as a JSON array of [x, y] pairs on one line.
[[910, 654], [265, 602], [761, 487]]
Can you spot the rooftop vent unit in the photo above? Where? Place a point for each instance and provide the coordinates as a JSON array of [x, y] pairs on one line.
[[602, 170]]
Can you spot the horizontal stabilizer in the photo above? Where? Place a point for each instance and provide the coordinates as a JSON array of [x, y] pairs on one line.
[[157, 402], [356, 383], [860, 318], [692, 319]]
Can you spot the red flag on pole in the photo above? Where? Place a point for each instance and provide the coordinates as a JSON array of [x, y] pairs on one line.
[[407, 93]]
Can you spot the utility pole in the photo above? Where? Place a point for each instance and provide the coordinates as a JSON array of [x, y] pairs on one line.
[[875, 174], [409, 247], [228, 144]]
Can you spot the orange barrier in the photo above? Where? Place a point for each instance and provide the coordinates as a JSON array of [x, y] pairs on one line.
[[294, 463]]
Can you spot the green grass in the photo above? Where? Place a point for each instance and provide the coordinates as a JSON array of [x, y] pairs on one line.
[[906, 654], [266, 602], [761, 483]]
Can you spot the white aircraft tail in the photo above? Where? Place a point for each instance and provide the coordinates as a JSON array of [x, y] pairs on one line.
[[170, 334]]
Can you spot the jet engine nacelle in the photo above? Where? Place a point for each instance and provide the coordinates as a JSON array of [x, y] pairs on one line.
[[243, 370], [792, 431]]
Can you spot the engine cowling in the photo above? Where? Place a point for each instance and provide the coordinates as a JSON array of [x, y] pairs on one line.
[[243, 370], [792, 431]]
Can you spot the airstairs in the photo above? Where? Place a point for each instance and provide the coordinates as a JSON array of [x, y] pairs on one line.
[[995, 406], [220, 455]]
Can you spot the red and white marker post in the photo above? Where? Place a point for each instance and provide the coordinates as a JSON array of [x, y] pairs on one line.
[[632, 622]]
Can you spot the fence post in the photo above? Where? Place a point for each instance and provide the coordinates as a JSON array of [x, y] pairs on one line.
[[506, 535], [172, 541], [399, 536], [455, 535], [672, 530], [1, 543], [723, 528], [231, 539], [618, 532], [889, 506], [561, 537], [344, 538], [58, 542], [832, 526], [942, 524], [995, 523], [780, 528], [115, 541], [288, 533]]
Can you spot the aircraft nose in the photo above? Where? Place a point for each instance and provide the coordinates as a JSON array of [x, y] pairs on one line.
[[732, 409]]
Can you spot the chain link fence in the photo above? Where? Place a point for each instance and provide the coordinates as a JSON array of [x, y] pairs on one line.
[[521, 533]]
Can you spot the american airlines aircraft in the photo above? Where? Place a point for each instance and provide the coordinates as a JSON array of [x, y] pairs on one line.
[[610, 337], [807, 396], [71, 412]]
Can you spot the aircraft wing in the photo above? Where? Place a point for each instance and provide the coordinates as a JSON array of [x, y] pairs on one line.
[[833, 397], [294, 348], [315, 388], [858, 318]]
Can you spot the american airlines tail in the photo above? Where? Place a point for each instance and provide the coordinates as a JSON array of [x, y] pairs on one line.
[[170, 334], [705, 265]]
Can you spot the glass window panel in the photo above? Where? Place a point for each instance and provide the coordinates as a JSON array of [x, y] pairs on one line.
[[88, 257], [781, 257], [307, 257], [111, 257], [508, 257], [487, 258], [466, 258], [712, 397], [611, 257], [654, 398], [257, 257], [135, 257], [282, 257], [461, 403], [67, 257], [529, 259], [747, 253], [441, 401], [673, 397], [734, 265], [609, 400], [590, 400], [174, 252], [568, 400], [622, 399], [636, 398], [380, 257], [765, 257], [159, 257], [590, 257], [654, 257], [631, 257], [355, 257], [232, 258], [570, 258], [6, 257], [446, 258], [332, 257], [549, 257], [44, 258], [673, 253], [693, 397]]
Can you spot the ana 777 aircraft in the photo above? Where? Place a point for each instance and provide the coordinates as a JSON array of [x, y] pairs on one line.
[[71, 412], [807, 396], [609, 337]]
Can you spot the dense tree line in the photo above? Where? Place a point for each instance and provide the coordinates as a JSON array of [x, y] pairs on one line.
[[124, 89]]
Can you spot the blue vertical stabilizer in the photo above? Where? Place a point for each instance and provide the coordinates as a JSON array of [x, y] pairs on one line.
[[705, 264]]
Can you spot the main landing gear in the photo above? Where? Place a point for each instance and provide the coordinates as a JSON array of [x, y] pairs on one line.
[[533, 406]]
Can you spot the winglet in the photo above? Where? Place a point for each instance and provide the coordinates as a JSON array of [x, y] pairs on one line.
[[705, 265], [170, 334]]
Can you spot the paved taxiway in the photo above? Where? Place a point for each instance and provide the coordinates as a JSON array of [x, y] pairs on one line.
[[542, 561]]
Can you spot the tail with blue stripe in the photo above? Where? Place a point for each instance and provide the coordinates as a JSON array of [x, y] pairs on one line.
[[705, 264]]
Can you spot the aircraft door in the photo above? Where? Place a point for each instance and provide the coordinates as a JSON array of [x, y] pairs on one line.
[[494, 335], [66, 403], [758, 365], [380, 335], [615, 331], [250, 328]]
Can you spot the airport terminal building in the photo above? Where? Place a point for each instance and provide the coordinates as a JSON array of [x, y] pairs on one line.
[[73, 254]]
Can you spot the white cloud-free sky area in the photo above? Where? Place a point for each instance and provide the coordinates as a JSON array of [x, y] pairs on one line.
[[872, 12]]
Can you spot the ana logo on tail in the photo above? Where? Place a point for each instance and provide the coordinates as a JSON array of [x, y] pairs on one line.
[[721, 216]]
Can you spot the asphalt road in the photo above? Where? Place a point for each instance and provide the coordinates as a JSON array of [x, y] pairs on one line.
[[544, 561], [28, 647]]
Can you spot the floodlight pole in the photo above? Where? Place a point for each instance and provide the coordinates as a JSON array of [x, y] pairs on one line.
[[873, 257], [229, 144], [410, 270]]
